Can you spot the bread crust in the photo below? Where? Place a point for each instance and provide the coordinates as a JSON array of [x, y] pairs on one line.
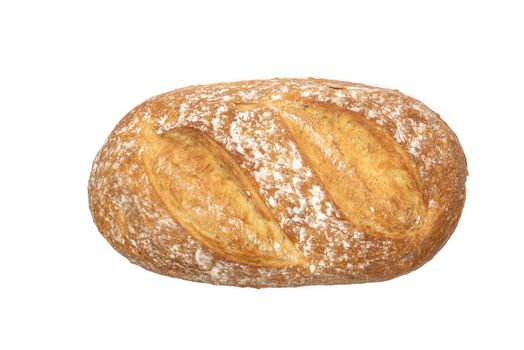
[[279, 183]]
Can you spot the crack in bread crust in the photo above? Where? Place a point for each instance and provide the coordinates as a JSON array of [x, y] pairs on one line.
[[368, 178], [211, 197]]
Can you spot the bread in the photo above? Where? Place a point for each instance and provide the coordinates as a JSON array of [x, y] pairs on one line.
[[279, 183]]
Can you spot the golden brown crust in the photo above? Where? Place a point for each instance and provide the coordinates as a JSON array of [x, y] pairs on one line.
[[281, 182]]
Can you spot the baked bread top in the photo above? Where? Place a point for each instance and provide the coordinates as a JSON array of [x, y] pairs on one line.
[[280, 182]]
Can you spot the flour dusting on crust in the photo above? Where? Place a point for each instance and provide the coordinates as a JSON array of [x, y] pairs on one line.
[[130, 215]]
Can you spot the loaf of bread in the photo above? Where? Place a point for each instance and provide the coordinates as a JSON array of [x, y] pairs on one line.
[[279, 183]]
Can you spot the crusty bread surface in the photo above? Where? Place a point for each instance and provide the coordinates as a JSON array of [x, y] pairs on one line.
[[279, 183]]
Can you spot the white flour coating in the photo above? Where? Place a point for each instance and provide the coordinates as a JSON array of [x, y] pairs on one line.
[[285, 182]]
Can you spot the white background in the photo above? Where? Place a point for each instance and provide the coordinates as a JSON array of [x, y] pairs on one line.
[[70, 70]]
